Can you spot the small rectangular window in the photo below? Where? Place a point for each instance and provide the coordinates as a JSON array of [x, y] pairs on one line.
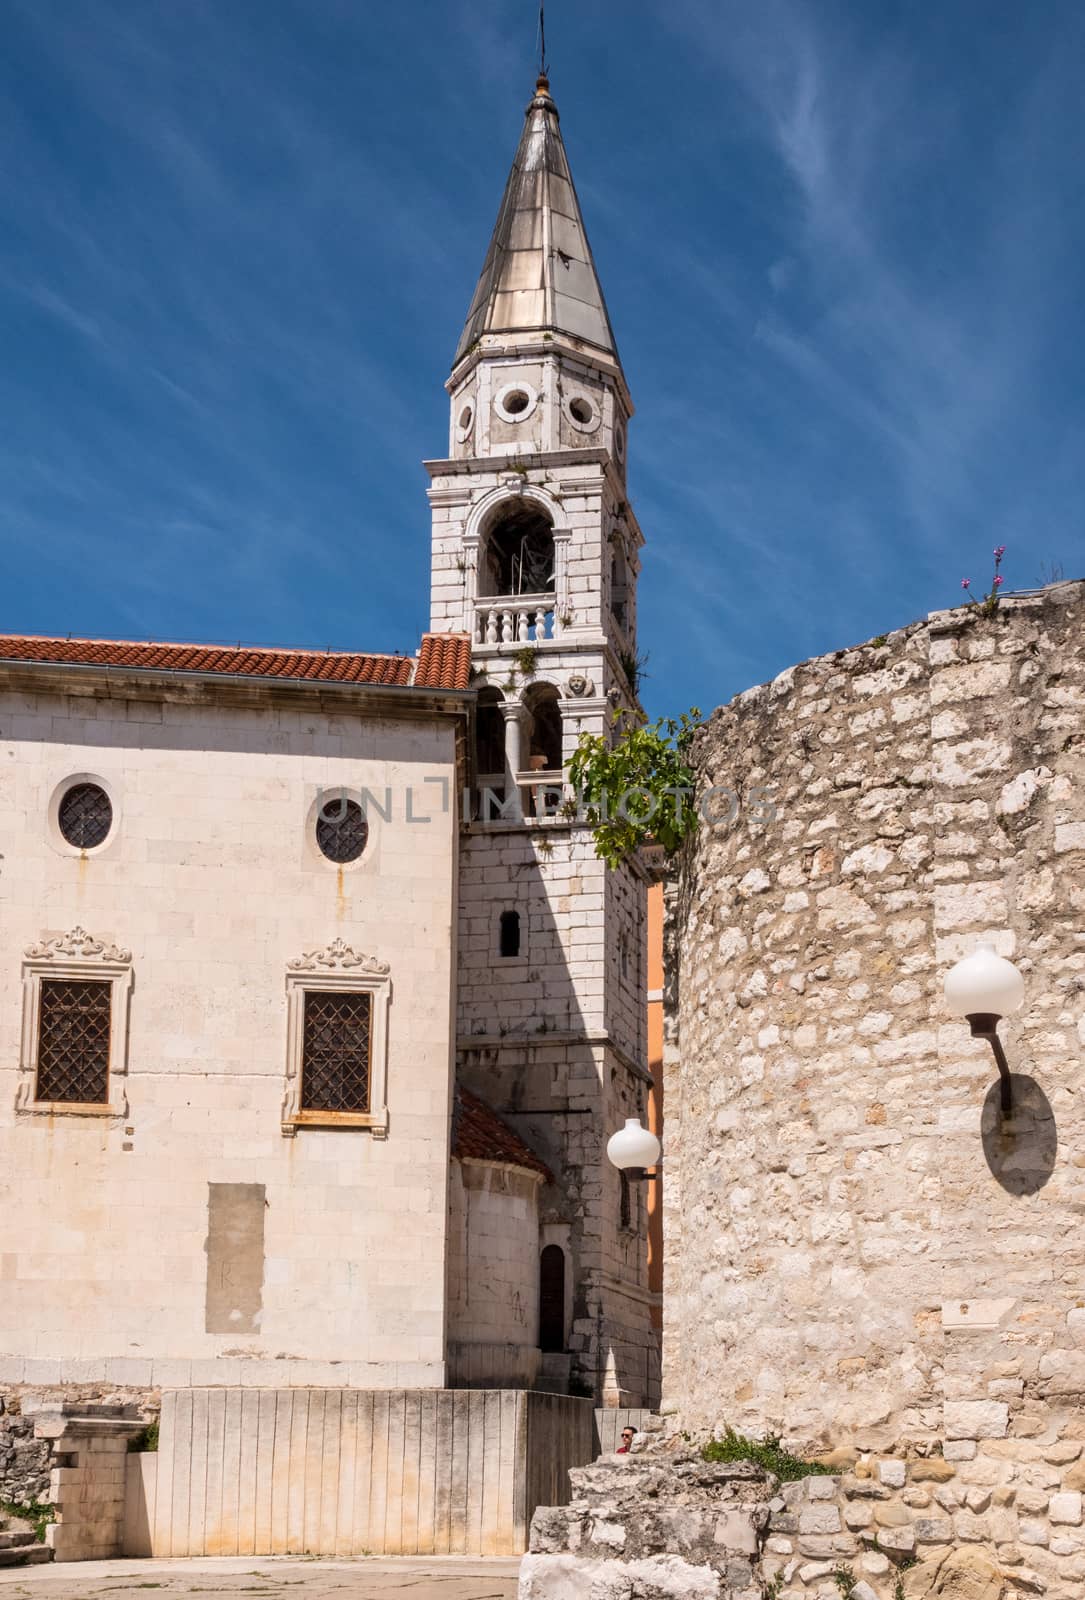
[[336, 1051], [74, 1024]]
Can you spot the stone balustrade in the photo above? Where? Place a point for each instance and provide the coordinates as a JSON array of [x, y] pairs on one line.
[[516, 619]]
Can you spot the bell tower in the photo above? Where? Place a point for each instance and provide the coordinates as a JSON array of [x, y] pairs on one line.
[[536, 557]]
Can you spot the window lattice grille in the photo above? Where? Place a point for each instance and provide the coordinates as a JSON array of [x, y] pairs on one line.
[[341, 830], [85, 815], [73, 1042], [335, 1060]]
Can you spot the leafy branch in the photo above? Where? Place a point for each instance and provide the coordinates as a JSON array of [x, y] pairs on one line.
[[637, 790]]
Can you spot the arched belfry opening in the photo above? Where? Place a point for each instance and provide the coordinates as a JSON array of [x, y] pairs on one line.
[[543, 728], [490, 739], [517, 554]]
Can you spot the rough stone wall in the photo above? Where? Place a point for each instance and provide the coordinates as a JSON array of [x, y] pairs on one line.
[[27, 1452], [857, 1251], [24, 1460]]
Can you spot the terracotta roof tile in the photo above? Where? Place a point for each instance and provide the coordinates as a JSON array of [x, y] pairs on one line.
[[480, 1134], [444, 662]]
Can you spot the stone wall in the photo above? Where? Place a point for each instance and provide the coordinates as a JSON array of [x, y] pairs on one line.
[[858, 1252], [212, 880], [493, 1275], [663, 1524], [24, 1460]]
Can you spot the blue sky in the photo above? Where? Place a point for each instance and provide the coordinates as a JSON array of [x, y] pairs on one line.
[[842, 247]]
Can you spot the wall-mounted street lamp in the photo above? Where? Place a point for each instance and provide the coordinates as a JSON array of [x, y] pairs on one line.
[[982, 988], [633, 1149]]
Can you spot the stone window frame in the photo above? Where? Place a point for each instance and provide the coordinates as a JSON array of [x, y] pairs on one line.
[[518, 386], [337, 969], [72, 780], [80, 958]]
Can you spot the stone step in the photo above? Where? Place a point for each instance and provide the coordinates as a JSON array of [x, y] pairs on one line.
[[11, 1537], [31, 1555]]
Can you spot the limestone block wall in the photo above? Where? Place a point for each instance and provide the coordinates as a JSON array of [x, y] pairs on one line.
[[348, 1472], [212, 881], [493, 1272], [555, 1040], [858, 1252]]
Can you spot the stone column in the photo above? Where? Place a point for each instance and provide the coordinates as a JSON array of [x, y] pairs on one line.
[[515, 716]]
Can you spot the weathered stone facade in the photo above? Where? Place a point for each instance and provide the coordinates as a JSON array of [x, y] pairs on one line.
[[859, 1253]]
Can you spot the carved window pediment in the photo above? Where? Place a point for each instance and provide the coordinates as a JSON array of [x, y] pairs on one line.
[[76, 992], [336, 972]]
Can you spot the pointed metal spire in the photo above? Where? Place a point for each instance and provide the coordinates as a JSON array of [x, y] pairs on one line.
[[539, 275]]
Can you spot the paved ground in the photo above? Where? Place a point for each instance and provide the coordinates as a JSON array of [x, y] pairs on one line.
[[275, 1578]]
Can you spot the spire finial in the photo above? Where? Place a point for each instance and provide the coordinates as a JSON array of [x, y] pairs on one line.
[[543, 82]]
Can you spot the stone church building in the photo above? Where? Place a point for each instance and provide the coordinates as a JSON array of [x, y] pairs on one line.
[[316, 1005]]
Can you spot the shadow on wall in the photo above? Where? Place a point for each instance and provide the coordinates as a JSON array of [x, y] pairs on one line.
[[1021, 1151]]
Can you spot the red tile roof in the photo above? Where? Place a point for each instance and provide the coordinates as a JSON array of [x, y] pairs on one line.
[[479, 1134], [444, 661]]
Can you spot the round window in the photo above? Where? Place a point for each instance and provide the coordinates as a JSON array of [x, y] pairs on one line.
[[619, 441], [341, 830], [466, 419], [85, 816], [515, 402], [582, 413]]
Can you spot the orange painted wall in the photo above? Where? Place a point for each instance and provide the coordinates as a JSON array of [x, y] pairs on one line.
[[655, 1097]]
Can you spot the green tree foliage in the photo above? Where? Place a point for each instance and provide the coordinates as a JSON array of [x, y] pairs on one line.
[[637, 788]]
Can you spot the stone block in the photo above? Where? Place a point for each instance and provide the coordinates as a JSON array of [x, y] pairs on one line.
[[976, 1419], [819, 1519], [893, 1473], [1065, 1508]]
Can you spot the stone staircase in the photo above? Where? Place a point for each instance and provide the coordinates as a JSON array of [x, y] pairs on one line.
[[18, 1545]]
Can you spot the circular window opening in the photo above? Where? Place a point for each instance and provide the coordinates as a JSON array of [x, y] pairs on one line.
[[619, 441], [85, 816], [582, 413], [341, 830], [516, 402], [467, 417]]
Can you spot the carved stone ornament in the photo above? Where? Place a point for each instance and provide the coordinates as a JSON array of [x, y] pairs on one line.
[[579, 684], [338, 957], [80, 945]]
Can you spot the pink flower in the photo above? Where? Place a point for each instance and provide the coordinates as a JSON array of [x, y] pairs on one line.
[[999, 580], [965, 583], [1000, 552]]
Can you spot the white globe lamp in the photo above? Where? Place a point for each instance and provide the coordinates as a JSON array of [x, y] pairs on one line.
[[984, 985], [633, 1148], [982, 988]]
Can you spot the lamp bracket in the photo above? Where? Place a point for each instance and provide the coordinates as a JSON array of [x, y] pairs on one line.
[[984, 1025]]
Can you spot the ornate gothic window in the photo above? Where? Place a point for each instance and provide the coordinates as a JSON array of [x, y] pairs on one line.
[[337, 1041], [75, 1026]]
